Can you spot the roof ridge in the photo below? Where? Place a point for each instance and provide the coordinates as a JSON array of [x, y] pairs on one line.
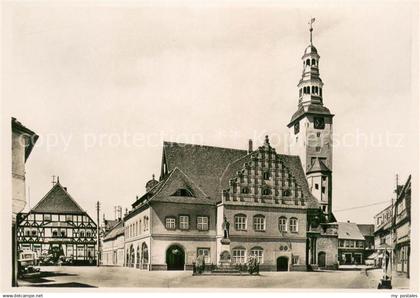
[[198, 145]]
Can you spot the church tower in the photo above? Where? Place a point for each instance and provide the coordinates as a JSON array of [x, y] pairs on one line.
[[310, 130]]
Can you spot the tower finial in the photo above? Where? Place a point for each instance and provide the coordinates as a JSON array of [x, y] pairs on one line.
[[311, 29]]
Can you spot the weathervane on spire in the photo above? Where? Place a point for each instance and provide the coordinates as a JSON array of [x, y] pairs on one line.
[[310, 28]]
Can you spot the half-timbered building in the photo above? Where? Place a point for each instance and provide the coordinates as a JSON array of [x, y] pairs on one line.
[[58, 226]]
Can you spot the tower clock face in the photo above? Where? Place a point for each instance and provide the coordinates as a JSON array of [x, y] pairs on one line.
[[319, 123]]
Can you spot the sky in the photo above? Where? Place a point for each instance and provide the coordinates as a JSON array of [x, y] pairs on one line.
[[104, 84]]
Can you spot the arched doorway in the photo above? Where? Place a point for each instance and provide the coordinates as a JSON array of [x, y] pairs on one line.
[[175, 258], [321, 259], [282, 264]]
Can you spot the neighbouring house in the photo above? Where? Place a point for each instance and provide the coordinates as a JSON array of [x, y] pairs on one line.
[[351, 244], [58, 227], [401, 229], [113, 245], [23, 141], [382, 234]]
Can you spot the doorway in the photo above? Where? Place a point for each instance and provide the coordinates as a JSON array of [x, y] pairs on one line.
[[282, 264], [175, 258], [321, 259]]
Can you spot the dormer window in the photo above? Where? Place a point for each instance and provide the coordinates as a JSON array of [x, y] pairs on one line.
[[182, 192]]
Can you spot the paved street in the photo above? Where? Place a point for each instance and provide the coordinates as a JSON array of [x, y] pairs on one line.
[[129, 277]]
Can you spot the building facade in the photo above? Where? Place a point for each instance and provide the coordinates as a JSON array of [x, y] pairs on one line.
[[401, 229], [229, 205], [23, 141], [113, 246], [351, 244], [58, 227]]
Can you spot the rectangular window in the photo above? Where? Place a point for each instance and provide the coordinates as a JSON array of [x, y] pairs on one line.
[[295, 260], [204, 252], [69, 218], [316, 186], [184, 222], [283, 224], [54, 217], [170, 223], [238, 256], [38, 217], [323, 189], [318, 149], [293, 225], [259, 223], [240, 222], [341, 243], [47, 217], [202, 223]]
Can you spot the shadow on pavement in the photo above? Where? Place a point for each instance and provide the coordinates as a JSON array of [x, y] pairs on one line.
[[66, 285]]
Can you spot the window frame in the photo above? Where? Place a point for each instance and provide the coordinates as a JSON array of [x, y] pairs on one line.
[[241, 257], [256, 224], [296, 225], [180, 222], [235, 223], [202, 224], [207, 258], [260, 259], [285, 224], [167, 218]]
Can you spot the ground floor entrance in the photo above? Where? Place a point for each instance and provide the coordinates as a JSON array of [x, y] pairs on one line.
[[282, 264], [175, 258]]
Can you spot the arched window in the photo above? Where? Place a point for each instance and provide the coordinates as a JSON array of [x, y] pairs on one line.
[[182, 192], [313, 62], [259, 223], [55, 233], [62, 232], [293, 224], [82, 233], [27, 232], [257, 252], [33, 232], [245, 190], [88, 234], [127, 262], [313, 89], [144, 253], [286, 193], [238, 255], [320, 91], [316, 89], [283, 224], [146, 223], [308, 62], [240, 222]]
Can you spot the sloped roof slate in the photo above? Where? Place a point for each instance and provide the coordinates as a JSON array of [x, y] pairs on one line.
[[58, 200]]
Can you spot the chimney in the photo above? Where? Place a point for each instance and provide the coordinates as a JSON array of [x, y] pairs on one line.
[[250, 146]]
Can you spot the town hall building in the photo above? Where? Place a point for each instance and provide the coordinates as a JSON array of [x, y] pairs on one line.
[[230, 204]]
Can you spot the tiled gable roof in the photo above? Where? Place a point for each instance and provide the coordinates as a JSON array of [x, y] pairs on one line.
[[116, 231], [58, 200], [366, 229], [203, 164], [350, 231]]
